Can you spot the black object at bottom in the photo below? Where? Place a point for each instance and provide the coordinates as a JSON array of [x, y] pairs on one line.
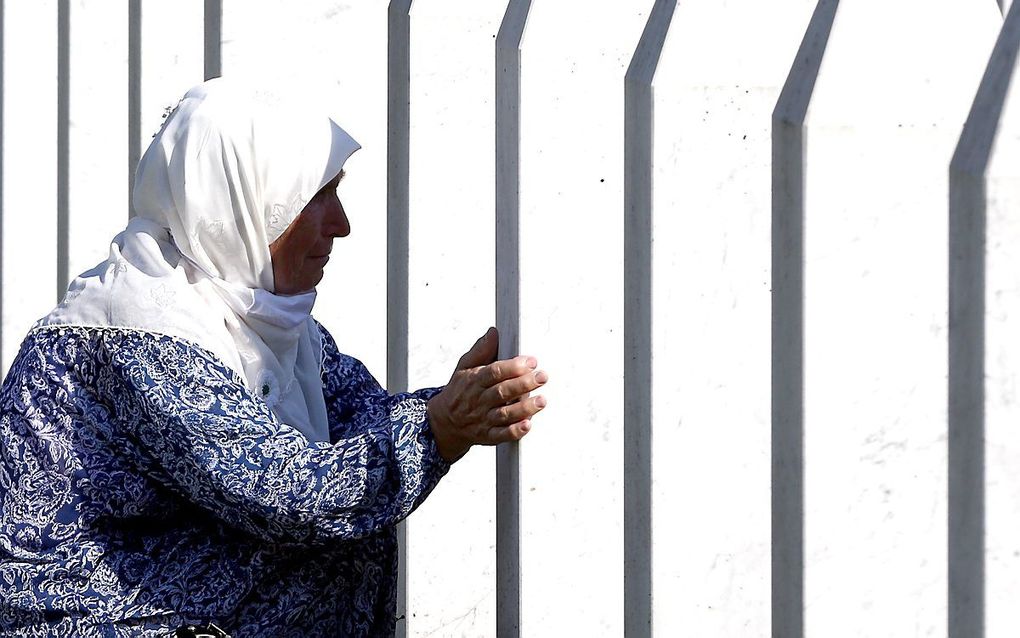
[[200, 631]]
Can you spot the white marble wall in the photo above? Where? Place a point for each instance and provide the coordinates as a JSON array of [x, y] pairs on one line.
[[171, 60], [97, 205], [29, 215], [451, 586], [872, 111], [573, 60], [711, 275]]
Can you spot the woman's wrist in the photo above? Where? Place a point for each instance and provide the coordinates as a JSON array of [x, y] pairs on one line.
[[450, 447]]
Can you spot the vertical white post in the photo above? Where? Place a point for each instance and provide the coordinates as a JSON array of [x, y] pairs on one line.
[[63, 133], [213, 38], [984, 299], [637, 322], [967, 312], [508, 306], [397, 228], [788, 169]]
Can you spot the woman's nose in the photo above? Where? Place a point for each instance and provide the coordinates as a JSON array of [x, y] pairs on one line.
[[340, 226]]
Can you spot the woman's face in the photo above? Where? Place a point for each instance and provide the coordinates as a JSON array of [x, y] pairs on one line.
[[301, 252]]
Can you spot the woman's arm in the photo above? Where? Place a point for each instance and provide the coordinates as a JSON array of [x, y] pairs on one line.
[[213, 442], [351, 391]]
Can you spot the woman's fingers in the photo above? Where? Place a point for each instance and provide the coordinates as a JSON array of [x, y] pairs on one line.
[[482, 352], [512, 389], [514, 432], [516, 412], [505, 369]]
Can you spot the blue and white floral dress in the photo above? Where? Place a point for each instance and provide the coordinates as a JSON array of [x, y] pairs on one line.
[[143, 486]]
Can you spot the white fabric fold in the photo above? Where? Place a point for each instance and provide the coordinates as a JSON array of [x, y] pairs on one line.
[[232, 166]]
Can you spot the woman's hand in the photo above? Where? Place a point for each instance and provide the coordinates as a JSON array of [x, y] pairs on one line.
[[486, 402]]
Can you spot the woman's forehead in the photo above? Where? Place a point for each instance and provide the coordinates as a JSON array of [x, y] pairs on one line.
[[336, 180]]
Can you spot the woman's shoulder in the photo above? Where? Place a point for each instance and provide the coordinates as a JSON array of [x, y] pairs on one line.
[[82, 348], [331, 355], [123, 293], [342, 372]]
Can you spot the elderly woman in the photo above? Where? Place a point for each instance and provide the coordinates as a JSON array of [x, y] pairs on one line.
[[181, 441]]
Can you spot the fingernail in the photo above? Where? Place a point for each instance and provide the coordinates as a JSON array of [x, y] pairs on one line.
[[532, 362], [526, 426], [541, 376], [540, 402]]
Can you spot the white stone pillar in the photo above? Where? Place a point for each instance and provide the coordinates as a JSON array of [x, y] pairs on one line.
[[508, 302], [638, 308], [787, 276], [984, 302]]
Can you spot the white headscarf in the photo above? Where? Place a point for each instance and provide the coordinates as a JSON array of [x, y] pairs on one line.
[[230, 169]]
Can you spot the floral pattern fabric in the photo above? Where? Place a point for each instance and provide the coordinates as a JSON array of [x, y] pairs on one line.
[[143, 486]]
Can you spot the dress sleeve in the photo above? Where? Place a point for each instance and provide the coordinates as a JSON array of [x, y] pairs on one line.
[[351, 391], [212, 441]]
